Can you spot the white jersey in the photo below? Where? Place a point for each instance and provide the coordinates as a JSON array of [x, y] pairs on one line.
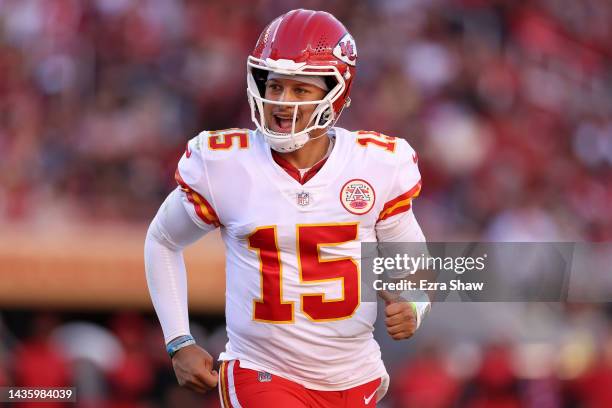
[[293, 297]]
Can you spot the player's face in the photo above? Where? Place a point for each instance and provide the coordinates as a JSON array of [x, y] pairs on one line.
[[280, 117]]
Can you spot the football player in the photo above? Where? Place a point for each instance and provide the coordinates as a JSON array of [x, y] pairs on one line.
[[294, 199]]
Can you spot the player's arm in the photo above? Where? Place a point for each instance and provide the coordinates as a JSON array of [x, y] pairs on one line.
[[404, 314], [172, 230], [397, 223], [177, 225]]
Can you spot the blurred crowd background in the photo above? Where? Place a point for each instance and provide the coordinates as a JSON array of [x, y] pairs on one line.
[[508, 103]]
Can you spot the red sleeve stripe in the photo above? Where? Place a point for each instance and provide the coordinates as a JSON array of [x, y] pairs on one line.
[[401, 203], [202, 207]]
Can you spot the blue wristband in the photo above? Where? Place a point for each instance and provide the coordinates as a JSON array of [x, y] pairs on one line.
[[178, 343]]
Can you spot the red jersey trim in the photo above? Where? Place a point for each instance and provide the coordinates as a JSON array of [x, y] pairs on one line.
[[401, 203], [202, 207], [294, 172]]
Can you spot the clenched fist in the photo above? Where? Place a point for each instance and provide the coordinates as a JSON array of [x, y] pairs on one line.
[[400, 316], [193, 367], [401, 320]]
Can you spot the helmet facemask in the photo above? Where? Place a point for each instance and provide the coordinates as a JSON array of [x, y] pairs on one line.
[[322, 117]]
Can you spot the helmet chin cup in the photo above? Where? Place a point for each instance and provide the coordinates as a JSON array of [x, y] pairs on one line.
[[287, 144]]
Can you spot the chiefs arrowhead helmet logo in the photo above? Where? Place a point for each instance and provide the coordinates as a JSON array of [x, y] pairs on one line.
[[346, 50]]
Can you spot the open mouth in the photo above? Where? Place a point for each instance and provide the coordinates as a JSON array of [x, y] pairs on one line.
[[284, 123]]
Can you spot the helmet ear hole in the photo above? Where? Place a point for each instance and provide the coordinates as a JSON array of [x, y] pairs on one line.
[[324, 117], [330, 81], [260, 76]]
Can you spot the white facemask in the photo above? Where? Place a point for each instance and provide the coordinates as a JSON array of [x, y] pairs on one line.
[[322, 117]]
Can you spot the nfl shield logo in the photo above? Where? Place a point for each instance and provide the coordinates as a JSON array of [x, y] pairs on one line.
[[303, 198], [262, 376]]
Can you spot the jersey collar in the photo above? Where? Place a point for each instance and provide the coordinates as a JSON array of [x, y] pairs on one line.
[[294, 172], [319, 175]]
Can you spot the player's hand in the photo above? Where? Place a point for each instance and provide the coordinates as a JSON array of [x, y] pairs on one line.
[[401, 321], [193, 367]]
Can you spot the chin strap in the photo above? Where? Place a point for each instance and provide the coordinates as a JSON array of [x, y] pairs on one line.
[[310, 138]]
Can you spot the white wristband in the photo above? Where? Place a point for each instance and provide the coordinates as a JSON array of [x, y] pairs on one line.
[[420, 304]]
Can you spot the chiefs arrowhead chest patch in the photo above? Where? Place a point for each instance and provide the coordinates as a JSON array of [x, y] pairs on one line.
[[357, 196]]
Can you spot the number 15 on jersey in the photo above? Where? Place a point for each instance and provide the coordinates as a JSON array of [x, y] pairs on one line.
[[271, 308]]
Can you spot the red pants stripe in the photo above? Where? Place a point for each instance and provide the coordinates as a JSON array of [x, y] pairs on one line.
[[243, 388]]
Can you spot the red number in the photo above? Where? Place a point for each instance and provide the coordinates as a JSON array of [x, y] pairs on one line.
[[314, 269], [378, 139], [270, 306], [224, 139]]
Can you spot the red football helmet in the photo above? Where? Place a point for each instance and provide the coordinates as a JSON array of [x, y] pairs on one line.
[[302, 42]]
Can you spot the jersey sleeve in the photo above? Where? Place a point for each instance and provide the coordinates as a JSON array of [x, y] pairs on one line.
[[170, 231], [396, 220], [192, 178]]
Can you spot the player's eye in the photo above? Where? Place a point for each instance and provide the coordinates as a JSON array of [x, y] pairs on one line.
[[301, 91], [274, 87]]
